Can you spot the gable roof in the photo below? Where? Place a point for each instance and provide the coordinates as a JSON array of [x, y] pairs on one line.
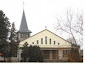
[[50, 32], [23, 25]]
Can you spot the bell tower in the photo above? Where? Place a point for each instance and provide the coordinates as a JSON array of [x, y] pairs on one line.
[[23, 32]]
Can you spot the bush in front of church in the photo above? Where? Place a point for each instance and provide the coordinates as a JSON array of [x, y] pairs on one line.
[[31, 54], [35, 54]]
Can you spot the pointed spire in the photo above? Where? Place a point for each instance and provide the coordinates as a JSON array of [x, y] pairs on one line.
[[23, 26]]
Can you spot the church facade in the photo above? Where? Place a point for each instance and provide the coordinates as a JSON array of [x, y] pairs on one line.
[[53, 47]]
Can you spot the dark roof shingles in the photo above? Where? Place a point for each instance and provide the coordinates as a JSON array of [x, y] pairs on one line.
[[23, 25]]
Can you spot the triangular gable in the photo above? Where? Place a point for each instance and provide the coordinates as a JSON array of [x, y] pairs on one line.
[[50, 35], [48, 31]]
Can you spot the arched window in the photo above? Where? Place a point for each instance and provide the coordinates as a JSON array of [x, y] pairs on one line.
[[32, 42], [50, 41], [58, 43], [37, 42], [46, 40], [41, 40], [22, 35], [54, 43]]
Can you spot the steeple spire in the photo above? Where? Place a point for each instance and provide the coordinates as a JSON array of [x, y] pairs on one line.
[[23, 32], [23, 26]]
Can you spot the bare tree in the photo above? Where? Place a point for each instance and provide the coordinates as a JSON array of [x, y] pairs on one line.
[[73, 25]]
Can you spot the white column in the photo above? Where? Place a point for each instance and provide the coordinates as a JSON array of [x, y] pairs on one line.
[[60, 54], [19, 54]]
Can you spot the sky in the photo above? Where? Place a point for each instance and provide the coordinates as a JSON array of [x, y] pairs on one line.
[[39, 13]]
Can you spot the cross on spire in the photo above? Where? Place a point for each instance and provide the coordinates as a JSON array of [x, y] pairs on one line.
[[23, 5], [45, 27]]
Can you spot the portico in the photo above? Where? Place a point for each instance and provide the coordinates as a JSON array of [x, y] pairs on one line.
[[54, 54]]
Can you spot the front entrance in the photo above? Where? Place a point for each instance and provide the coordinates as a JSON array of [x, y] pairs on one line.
[[55, 54], [50, 55]]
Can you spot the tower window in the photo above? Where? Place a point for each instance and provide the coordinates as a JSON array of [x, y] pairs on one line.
[[50, 41], [22, 35], [41, 40], [54, 42], [45, 40], [37, 41], [28, 35]]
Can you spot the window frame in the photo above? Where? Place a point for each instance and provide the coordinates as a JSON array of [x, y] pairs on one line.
[[54, 42], [37, 41], [45, 39], [41, 40], [50, 40]]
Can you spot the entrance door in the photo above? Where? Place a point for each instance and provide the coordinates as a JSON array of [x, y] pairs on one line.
[[54, 54], [46, 54]]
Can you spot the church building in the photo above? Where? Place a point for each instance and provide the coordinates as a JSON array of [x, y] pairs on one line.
[[53, 47]]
